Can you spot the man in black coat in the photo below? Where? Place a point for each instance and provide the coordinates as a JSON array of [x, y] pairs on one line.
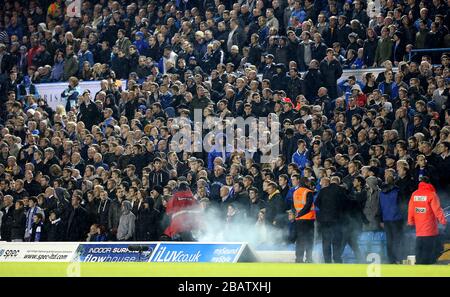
[[133, 59], [55, 228], [288, 111], [121, 65], [7, 218], [241, 197], [419, 126], [7, 61], [342, 31], [19, 191], [312, 80], [444, 165], [293, 45], [89, 112], [77, 221], [279, 79], [31, 185], [282, 51], [49, 160], [330, 34], [354, 216], [256, 204], [289, 143], [19, 222], [359, 13], [147, 222], [330, 71], [319, 49], [159, 176], [294, 84], [275, 206], [237, 36], [406, 186], [269, 69], [104, 208], [330, 203], [104, 55], [10, 84], [255, 51]]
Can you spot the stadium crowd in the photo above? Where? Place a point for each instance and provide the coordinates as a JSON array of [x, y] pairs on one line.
[[103, 166]]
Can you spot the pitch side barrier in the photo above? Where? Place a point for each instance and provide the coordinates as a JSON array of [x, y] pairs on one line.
[[216, 252]]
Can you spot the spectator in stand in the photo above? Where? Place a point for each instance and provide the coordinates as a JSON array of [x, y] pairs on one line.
[[392, 219], [330, 201], [76, 221], [384, 48], [354, 216], [331, 71], [70, 95], [71, 64], [120, 140], [18, 222], [7, 218]]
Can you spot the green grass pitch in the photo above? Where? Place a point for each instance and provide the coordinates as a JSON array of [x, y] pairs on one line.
[[217, 270]]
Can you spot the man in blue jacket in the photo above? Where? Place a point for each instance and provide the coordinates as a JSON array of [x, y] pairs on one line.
[[391, 217], [84, 55], [300, 157], [220, 149]]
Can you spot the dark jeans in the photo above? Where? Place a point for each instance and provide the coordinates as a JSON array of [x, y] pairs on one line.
[[350, 234], [331, 241], [426, 247], [394, 240], [305, 240], [332, 92]]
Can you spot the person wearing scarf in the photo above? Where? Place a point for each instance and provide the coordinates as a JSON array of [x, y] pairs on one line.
[[37, 229], [71, 93], [32, 211]]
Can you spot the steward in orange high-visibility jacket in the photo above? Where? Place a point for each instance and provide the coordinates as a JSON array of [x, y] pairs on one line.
[[303, 203], [425, 212]]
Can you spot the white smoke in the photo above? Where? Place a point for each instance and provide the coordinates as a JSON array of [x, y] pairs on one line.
[[240, 228]]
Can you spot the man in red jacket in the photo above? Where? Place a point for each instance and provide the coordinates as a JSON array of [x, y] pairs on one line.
[[184, 210], [425, 212]]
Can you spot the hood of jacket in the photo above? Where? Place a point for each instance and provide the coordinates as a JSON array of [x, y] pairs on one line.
[[62, 194], [423, 186], [372, 183], [127, 207]]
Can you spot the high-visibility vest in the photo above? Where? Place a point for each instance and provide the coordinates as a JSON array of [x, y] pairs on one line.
[[299, 203]]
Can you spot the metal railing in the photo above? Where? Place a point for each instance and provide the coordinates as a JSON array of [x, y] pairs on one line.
[[427, 50]]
